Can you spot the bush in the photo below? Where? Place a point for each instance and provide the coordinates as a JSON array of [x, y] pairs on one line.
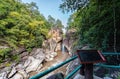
[[4, 53]]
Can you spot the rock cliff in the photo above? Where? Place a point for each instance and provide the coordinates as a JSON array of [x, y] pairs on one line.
[[33, 61]]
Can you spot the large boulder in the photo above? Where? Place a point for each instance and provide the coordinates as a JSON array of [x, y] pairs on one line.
[[55, 40], [18, 74], [21, 70], [56, 34], [49, 55], [58, 46], [32, 64], [52, 44], [35, 60], [3, 75], [12, 72]]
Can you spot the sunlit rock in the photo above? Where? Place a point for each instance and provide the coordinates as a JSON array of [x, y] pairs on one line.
[[17, 76], [33, 64], [12, 72], [50, 55], [3, 75], [55, 39], [58, 47]]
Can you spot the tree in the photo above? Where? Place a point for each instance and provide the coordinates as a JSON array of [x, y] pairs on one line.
[[96, 21], [22, 24], [51, 21], [72, 5], [58, 23]]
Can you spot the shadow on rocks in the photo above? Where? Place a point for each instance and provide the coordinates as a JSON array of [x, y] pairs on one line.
[[56, 76]]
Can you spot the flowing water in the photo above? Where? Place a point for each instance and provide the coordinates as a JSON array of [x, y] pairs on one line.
[[63, 49]]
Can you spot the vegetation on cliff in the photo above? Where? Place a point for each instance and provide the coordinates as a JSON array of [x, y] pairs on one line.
[[22, 25]]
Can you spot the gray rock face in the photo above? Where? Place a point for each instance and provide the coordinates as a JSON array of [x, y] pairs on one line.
[[53, 44], [78, 76], [70, 39], [6, 69], [55, 40], [58, 47], [3, 75], [72, 65], [12, 72], [56, 34], [33, 62], [56, 76], [50, 55], [4, 72], [18, 51], [24, 54], [18, 74]]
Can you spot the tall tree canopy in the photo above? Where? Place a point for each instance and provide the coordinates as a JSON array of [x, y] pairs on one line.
[[54, 23], [96, 21], [21, 24], [71, 5]]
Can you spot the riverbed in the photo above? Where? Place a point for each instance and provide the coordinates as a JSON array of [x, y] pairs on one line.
[[61, 56]]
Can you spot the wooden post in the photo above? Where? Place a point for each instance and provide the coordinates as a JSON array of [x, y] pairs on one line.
[[82, 70], [87, 59], [89, 71]]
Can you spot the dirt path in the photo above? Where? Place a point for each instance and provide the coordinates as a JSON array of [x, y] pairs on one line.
[[58, 59]]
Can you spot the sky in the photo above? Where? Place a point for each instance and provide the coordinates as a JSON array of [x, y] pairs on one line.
[[51, 7]]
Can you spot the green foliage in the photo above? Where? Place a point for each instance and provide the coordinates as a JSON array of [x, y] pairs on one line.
[[59, 23], [96, 23], [15, 58], [71, 5], [7, 64], [54, 23], [4, 53], [21, 24], [51, 21]]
